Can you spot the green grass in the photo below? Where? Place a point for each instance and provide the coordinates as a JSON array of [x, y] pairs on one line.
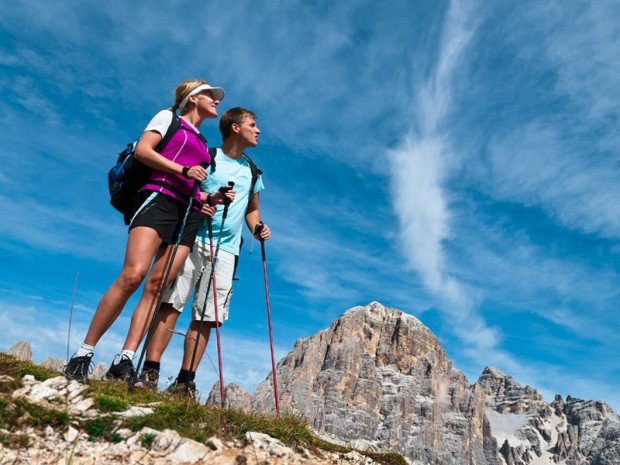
[[100, 428], [16, 413], [110, 403], [119, 391], [189, 419], [15, 368], [14, 441], [147, 440]]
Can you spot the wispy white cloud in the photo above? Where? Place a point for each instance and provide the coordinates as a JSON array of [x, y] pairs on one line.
[[538, 165], [420, 165], [563, 156]]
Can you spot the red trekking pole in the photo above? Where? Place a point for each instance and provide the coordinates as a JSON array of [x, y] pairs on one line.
[[257, 230], [213, 285]]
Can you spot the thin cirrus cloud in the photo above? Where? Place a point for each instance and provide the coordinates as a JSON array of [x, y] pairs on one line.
[[423, 155], [535, 162], [420, 166]]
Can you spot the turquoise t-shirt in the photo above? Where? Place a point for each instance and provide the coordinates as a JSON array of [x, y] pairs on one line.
[[238, 171]]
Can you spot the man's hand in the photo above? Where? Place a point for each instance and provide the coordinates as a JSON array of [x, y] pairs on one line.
[[262, 231], [225, 194]]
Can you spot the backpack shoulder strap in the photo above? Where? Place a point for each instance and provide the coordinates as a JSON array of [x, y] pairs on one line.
[[256, 172], [175, 125], [212, 153]]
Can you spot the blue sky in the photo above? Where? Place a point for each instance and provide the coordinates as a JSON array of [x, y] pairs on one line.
[[456, 160]]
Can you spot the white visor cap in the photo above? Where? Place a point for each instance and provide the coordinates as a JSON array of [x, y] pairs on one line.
[[218, 94]]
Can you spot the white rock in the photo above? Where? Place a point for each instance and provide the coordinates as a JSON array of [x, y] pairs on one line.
[[6, 379], [124, 433], [35, 393], [71, 434], [189, 451], [268, 446], [135, 411], [58, 383], [81, 406], [214, 443]]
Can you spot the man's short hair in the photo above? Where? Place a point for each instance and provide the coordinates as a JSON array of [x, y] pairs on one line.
[[233, 116]]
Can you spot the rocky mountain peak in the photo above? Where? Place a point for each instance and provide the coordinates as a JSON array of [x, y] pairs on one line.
[[378, 378], [379, 375], [504, 394], [21, 350]]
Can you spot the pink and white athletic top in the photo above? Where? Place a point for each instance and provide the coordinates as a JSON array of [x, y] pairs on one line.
[[184, 148]]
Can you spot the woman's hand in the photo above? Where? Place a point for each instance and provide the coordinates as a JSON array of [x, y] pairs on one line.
[[197, 173], [208, 210]]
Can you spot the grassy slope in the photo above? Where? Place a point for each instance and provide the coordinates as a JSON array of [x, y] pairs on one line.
[[189, 419]]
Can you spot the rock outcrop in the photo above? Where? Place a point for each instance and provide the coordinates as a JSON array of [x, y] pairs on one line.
[[235, 397], [530, 431], [378, 379], [145, 447], [379, 375], [99, 371], [53, 364], [21, 350]]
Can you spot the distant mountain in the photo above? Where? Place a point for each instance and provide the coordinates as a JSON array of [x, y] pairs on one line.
[[378, 378]]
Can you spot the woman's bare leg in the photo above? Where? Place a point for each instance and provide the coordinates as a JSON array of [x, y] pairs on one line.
[[142, 245]]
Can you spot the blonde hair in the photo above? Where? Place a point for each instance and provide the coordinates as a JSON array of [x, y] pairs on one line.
[[183, 89]]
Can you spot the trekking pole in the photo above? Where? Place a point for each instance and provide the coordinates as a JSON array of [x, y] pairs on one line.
[[257, 230], [211, 284], [134, 379], [75, 284]]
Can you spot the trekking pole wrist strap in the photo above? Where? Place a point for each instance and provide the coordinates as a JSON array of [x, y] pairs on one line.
[[184, 171]]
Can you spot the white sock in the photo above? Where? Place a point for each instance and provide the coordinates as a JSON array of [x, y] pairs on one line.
[[84, 349], [130, 354]]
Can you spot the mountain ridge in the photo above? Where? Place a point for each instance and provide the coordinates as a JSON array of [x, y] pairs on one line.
[[378, 376]]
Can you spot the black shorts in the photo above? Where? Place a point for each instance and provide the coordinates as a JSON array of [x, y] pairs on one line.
[[165, 215]]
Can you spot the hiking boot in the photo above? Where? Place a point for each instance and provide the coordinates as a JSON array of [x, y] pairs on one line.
[[183, 389], [122, 370], [149, 378], [78, 368]]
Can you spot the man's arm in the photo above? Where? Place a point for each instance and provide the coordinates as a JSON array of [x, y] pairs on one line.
[[252, 219]]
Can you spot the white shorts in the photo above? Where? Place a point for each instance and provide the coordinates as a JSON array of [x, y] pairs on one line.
[[195, 273]]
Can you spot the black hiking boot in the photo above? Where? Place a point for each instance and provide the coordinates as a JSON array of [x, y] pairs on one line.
[[149, 378], [78, 368], [122, 370], [187, 390]]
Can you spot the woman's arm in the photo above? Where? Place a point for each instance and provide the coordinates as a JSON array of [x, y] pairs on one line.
[[145, 152]]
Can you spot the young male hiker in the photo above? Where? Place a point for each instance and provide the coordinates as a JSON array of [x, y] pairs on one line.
[[239, 132]]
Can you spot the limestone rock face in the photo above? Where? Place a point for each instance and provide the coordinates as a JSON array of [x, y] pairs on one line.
[[21, 350], [530, 431], [235, 397], [381, 376], [99, 371], [53, 364]]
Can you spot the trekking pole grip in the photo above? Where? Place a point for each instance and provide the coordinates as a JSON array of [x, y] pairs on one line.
[[231, 184], [257, 229], [210, 226]]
